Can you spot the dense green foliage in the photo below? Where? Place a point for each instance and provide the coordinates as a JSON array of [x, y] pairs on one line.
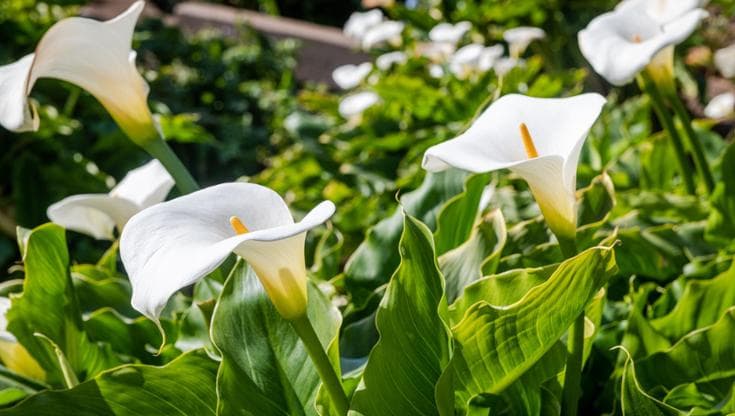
[[431, 293]]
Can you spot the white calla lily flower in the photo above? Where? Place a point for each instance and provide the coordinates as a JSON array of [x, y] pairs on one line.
[[506, 64], [662, 11], [489, 57], [621, 43], [355, 104], [97, 215], [721, 106], [436, 71], [360, 22], [725, 61], [449, 33], [349, 76], [539, 139], [436, 51], [519, 38], [388, 31], [93, 55], [474, 57], [174, 244], [385, 61]]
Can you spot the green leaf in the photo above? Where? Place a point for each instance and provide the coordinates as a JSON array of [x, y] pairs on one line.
[[477, 256], [721, 222], [635, 401], [48, 306], [494, 346], [184, 387], [377, 257], [265, 369], [457, 217], [701, 304], [705, 357], [406, 363]]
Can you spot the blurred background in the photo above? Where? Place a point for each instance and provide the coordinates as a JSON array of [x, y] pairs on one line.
[[244, 88]]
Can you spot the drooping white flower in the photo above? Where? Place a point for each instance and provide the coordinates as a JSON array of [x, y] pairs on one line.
[[387, 60], [662, 11], [173, 244], [94, 55], [360, 22], [721, 106], [97, 215], [519, 38], [725, 61], [449, 33], [349, 76], [388, 31], [621, 43], [539, 139], [355, 104]]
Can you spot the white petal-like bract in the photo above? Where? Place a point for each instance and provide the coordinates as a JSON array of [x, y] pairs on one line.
[[385, 61], [360, 22], [519, 38], [662, 11], [173, 244], [355, 104], [388, 31], [98, 215], [621, 43], [558, 126], [349, 76], [725, 61], [449, 33], [721, 106], [94, 55]]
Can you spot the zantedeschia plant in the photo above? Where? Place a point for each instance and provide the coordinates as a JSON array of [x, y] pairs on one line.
[[449, 33], [173, 244], [355, 104], [539, 139], [519, 38], [99, 214], [94, 55], [349, 76]]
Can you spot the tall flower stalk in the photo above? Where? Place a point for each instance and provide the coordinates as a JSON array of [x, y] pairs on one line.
[[97, 57]]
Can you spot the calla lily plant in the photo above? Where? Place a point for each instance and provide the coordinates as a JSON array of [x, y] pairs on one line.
[[349, 76], [539, 139], [99, 214]]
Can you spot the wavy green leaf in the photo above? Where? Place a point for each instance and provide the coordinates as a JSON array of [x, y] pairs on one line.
[[413, 349], [265, 369]]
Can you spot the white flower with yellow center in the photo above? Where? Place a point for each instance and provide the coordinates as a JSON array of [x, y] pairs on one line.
[[349, 76], [539, 139], [95, 56], [519, 38], [97, 215], [621, 43], [173, 244]]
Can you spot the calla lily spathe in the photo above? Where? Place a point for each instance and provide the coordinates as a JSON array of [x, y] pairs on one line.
[[558, 128], [355, 104], [725, 61], [474, 57], [173, 244], [662, 11], [519, 38], [95, 56], [97, 215], [360, 22], [621, 43], [387, 60], [349, 76], [388, 31], [449, 33], [721, 106]]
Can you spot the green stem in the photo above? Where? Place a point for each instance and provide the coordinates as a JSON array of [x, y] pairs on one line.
[[575, 345], [668, 123], [324, 367], [163, 152], [573, 372], [694, 143]]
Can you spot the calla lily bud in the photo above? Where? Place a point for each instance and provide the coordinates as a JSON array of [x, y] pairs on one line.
[[539, 139], [93, 55], [174, 244]]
